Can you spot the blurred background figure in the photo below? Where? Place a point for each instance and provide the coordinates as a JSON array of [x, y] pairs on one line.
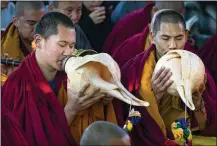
[[96, 23], [125, 7], [7, 13], [205, 26], [72, 9]]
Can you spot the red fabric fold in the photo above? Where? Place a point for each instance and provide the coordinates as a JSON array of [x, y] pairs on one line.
[[208, 53], [126, 50], [11, 132], [27, 94], [127, 27]]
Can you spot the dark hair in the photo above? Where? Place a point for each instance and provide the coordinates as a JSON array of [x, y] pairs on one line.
[[166, 16], [48, 24], [100, 132]]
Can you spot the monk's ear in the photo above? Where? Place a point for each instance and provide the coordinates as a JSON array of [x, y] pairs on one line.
[[153, 11], [38, 41], [187, 34], [152, 37], [15, 21]]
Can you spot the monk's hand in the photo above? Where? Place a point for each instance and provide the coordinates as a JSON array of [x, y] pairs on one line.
[[197, 95], [6, 69], [160, 81], [107, 99], [98, 15], [79, 101]]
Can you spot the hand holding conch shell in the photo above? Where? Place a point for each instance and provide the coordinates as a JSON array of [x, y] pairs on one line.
[[79, 101], [160, 82], [197, 95], [188, 75]]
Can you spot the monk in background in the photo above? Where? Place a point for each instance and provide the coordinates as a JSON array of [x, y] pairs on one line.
[[18, 36], [72, 9], [47, 110], [167, 32]]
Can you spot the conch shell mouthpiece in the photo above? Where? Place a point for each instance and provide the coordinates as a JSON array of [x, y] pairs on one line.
[[101, 71], [188, 74]]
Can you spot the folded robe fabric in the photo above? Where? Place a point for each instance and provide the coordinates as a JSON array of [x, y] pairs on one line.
[[127, 27], [11, 131], [208, 53]]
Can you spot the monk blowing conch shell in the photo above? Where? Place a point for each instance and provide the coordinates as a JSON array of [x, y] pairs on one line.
[[101, 71], [188, 73]]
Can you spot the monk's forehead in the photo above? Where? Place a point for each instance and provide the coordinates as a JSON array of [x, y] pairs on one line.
[[65, 34], [171, 29], [33, 15]]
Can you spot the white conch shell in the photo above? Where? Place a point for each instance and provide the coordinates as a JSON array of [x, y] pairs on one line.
[[101, 71], [188, 73]]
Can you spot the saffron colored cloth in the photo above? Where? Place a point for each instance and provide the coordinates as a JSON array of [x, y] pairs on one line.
[[12, 45]]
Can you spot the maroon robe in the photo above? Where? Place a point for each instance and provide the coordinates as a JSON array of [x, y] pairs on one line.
[[11, 132], [148, 132], [130, 25], [126, 50], [208, 53], [29, 97]]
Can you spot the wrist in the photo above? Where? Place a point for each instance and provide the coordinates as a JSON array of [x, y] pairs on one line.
[[199, 105], [69, 110]]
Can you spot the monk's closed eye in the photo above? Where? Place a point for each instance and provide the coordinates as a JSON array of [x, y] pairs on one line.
[[179, 38], [165, 39], [62, 45]]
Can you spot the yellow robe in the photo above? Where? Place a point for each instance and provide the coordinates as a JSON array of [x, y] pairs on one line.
[[85, 117], [10, 44]]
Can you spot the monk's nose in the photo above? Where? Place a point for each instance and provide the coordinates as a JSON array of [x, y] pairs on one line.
[[173, 45], [68, 52]]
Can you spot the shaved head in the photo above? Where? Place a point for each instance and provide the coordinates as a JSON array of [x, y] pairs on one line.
[[177, 6], [104, 133], [21, 6], [166, 16]]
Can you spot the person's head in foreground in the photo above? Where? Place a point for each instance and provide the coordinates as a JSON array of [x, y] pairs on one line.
[[27, 15], [104, 133], [168, 31], [72, 9], [55, 38]]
